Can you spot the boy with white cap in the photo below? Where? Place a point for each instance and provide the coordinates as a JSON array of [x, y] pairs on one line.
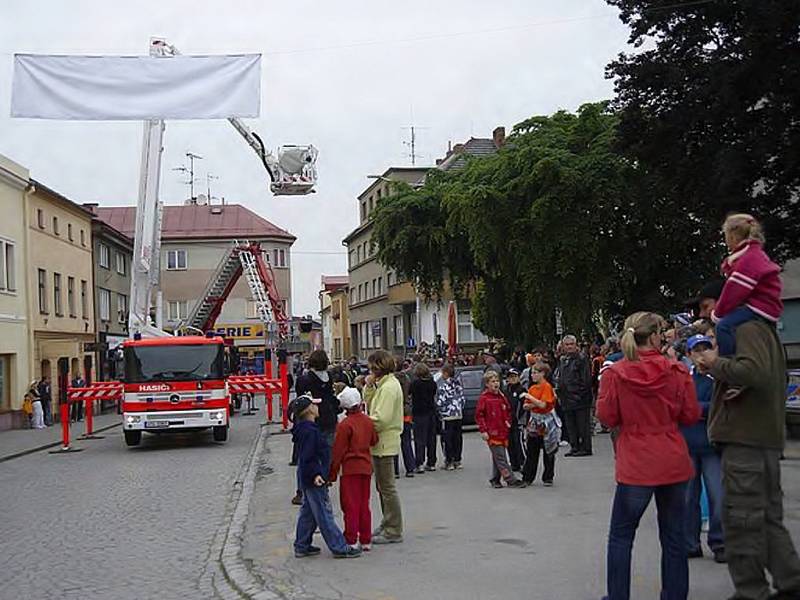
[[355, 435]]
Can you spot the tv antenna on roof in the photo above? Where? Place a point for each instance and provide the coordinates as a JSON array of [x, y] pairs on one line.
[[189, 171], [412, 144]]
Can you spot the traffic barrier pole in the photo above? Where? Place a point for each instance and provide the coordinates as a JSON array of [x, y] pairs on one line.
[[283, 374], [268, 395], [65, 447], [89, 433]]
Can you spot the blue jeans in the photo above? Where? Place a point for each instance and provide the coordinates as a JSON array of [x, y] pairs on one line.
[[630, 502], [708, 466], [316, 511], [726, 329]]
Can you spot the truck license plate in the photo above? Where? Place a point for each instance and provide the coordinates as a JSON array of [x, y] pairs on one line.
[[156, 424]]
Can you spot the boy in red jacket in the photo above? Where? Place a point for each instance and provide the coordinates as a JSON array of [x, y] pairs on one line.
[[355, 435], [493, 416]]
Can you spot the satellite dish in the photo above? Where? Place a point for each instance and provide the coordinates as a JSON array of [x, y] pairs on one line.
[[202, 200]]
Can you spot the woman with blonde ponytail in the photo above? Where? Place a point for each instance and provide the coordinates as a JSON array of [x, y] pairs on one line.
[[646, 396]]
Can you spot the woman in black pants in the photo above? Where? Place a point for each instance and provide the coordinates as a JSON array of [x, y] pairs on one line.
[[423, 408]]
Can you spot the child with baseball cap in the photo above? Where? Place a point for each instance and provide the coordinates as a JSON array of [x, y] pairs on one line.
[[355, 435], [316, 508]]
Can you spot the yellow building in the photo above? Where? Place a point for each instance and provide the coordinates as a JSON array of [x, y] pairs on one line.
[[15, 368], [335, 317], [60, 286]]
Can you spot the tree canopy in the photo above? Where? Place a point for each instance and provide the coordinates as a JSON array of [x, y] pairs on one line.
[[709, 103], [557, 218]]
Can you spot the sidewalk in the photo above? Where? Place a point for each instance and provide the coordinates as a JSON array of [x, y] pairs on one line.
[[18, 442]]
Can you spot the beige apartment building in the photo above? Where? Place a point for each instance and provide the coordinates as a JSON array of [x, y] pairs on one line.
[[334, 314], [377, 318], [194, 239], [60, 286], [15, 367]]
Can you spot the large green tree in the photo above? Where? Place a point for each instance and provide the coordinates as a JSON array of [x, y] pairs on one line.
[[709, 104], [556, 219]]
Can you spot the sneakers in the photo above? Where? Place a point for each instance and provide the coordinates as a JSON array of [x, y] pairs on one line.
[[430, 468], [449, 467], [310, 551], [366, 547], [351, 552], [382, 538], [563, 443], [410, 474], [419, 470], [495, 484], [516, 483], [298, 498], [457, 465], [719, 556], [547, 483]]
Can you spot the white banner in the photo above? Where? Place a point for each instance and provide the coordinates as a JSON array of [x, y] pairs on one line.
[[109, 88]]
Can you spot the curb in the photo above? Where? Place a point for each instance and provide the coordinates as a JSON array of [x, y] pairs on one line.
[[49, 445], [236, 571]]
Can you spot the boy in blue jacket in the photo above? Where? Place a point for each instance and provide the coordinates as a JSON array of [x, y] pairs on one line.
[[707, 464], [316, 510]]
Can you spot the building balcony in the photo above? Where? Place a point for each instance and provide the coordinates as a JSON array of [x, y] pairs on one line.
[[402, 293]]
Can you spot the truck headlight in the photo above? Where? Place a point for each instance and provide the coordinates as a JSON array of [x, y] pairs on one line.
[[131, 419], [215, 416]]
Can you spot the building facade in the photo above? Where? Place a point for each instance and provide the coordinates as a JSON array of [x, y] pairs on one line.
[[60, 284], [15, 367], [334, 313], [113, 252], [194, 239], [374, 318]]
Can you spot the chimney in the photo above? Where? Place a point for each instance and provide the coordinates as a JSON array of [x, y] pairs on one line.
[[91, 206], [499, 136], [458, 149]]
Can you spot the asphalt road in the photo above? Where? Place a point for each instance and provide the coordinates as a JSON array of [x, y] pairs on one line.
[[115, 523], [465, 541]]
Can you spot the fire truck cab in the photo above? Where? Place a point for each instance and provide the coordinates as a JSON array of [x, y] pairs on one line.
[[175, 384]]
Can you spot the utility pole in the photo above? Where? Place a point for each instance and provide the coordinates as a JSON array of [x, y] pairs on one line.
[[190, 171]]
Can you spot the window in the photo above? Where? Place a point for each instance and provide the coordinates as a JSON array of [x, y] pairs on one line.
[[104, 298], [177, 310], [375, 333], [40, 218], [57, 295], [42, 274], [275, 256], [55, 226], [8, 266], [84, 300], [120, 260], [69, 232], [358, 254], [83, 238], [71, 296], [380, 286], [122, 308], [283, 257], [176, 260], [105, 256], [352, 295], [399, 339], [251, 310], [350, 258], [389, 279], [363, 211], [362, 330], [265, 254], [371, 204], [467, 332], [374, 288]]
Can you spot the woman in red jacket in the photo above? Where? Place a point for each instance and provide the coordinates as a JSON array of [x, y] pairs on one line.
[[647, 397]]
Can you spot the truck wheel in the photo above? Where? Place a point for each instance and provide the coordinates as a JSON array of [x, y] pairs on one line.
[[133, 438], [220, 433]]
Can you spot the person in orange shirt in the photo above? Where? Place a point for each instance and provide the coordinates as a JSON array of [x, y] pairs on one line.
[[543, 429]]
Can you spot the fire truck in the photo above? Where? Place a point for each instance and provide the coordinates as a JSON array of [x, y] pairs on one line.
[[179, 383]]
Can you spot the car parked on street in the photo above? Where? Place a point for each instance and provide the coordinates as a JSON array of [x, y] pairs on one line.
[[793, 403], [472, 381]]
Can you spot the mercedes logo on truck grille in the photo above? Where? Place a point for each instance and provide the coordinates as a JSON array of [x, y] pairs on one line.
[[174, 398]]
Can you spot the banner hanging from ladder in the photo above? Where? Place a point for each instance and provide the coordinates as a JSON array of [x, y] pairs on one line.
[[111, 88]]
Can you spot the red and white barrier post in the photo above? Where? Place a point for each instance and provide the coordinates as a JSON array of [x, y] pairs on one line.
[[269, 395], [65, 447], [283, 372]]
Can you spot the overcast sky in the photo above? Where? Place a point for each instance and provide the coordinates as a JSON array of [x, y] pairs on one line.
[[347, 76]]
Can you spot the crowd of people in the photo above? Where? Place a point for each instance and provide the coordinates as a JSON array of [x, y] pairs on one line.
[[693, 402]]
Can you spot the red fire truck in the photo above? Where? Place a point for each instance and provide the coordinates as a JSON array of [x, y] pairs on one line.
[[175, 384]]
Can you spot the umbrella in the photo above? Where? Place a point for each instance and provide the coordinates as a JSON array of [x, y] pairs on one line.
[[452, 329]]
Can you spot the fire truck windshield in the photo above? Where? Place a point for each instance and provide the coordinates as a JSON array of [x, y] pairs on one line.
[[144, 364]]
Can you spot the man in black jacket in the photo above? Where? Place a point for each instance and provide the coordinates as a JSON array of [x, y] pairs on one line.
[[574, 390]]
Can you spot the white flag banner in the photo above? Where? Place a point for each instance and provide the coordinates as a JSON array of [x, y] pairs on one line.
[[110, 88]]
